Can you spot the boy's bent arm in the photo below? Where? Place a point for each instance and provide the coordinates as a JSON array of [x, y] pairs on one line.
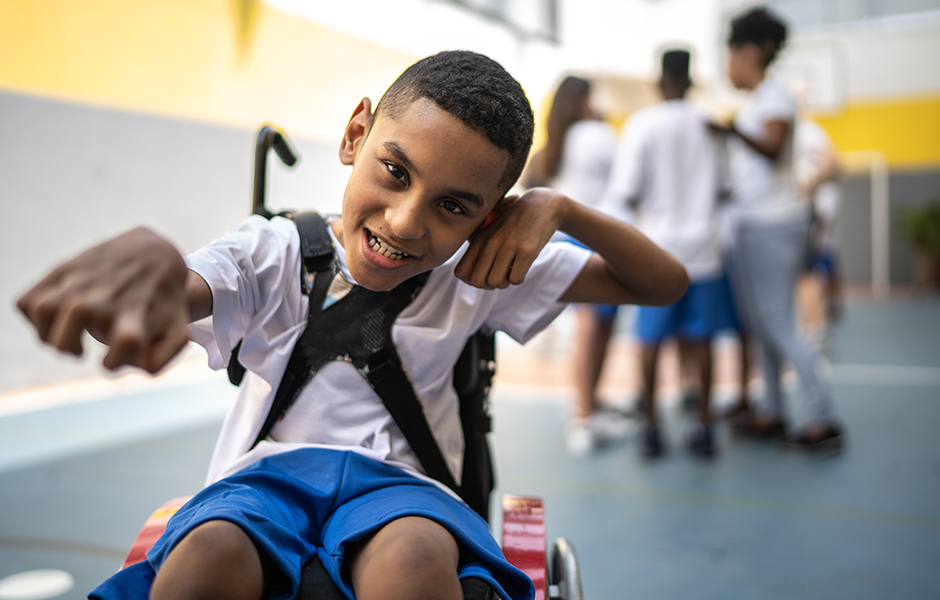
[[627, 269], [133, 293]]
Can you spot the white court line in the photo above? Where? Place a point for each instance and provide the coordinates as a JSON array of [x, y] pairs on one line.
[[887, 375], [839, 374]]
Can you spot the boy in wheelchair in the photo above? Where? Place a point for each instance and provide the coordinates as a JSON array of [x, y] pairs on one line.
[[327, 472]]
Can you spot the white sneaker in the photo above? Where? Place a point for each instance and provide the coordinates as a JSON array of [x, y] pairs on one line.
[[579, 438], [610, 426], [601, 428]]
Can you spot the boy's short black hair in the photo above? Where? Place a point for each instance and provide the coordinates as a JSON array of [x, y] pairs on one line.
[[478, 91], [675, 64], [760, 27]]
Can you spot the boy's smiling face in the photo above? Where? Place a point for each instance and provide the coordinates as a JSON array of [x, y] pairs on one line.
[[421, 184]]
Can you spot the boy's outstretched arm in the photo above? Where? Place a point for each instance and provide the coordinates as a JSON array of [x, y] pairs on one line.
[[133, 293], [627, 268]]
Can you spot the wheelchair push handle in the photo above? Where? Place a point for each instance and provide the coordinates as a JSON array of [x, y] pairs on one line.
[[269, 137]]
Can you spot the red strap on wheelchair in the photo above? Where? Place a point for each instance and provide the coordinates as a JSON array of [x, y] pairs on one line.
[[152, 530], [524, 538]]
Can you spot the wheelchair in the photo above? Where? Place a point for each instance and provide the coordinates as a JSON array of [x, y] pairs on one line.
[[555, 573]]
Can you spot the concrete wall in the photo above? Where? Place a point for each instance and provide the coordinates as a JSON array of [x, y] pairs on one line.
[[71, 175]]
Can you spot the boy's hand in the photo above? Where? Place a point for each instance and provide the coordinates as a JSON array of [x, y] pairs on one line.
[[129, 293], [720, 128], [504, 248]]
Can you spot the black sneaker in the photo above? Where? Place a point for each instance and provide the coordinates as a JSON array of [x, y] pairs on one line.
[[651, 442], [753, 426], [702, 440], [832, 439]]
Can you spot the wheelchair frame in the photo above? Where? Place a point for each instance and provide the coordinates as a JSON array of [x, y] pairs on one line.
[[523, 525]]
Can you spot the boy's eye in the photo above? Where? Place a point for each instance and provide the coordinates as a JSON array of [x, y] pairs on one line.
[[396, 172], [451, 206]]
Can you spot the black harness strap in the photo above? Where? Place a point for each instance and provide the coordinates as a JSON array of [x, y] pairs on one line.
[[355, 329], [316, 248], [387, 377]]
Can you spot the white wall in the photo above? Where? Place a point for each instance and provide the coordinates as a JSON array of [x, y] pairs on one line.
[[614, 37], [874, 60]]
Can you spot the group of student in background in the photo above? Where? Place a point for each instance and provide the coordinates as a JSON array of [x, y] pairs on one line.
[[748, 207]]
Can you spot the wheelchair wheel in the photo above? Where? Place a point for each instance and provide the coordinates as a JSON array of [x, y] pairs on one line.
[[565, 575]]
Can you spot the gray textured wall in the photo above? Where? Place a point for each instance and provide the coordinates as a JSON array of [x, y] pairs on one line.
[[70, 175], [906, 189]]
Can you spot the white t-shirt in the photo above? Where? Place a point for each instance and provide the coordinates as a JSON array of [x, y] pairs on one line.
[[670, 163], [254, 274], [586, 162], [763, 189], [811, 148]]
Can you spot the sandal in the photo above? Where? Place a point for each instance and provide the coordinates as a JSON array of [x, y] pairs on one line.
[[830, 438], [738, 410]]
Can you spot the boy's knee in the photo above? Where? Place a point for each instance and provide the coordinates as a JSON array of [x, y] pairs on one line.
[[216, 559], [223, 539], [411, 557]]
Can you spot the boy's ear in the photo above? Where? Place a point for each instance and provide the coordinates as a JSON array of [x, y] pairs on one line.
[[356, 131], [499, 209]]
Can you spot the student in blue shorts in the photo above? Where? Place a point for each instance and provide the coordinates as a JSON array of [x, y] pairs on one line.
[[668, 169], [335, 477]]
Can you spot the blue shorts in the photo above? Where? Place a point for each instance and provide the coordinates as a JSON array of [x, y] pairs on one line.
[[313, 502], [821, 262], [704, 310], [604, 312]]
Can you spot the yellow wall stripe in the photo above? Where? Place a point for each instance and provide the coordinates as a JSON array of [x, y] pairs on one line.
[[905, 130], [227, 61]]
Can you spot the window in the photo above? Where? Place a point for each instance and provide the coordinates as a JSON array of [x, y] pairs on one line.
[[822, 13], [526, 18]]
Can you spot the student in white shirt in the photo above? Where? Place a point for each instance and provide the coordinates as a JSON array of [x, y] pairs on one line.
[[817, 174], [668, 169], [771, 233], [576, 160]]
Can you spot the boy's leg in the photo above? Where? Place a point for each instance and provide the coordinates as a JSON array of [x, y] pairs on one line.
[[741, 407], [588, 426], [833, 292], [744, 374], [700, 353], [593, 336], [688, 375], [651, 443], [409, 558], [391, 535], [734, 320], [215, 560], [653, 324], [649, 358]]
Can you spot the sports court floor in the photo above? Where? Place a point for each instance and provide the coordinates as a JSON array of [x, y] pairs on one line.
[[82, 467]]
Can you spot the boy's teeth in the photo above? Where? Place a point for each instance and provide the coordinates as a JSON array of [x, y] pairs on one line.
[[384, 250]]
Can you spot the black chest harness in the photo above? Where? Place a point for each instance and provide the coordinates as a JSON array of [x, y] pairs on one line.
[[354, 324]]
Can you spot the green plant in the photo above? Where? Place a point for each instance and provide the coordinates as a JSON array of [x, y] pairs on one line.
[[923, 227]]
